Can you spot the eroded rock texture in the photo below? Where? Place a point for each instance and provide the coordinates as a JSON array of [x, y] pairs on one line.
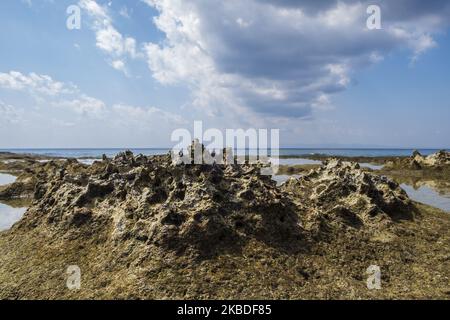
[[341, 193]]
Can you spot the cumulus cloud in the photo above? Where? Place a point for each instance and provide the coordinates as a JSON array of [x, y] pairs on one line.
[[45, 90], [281, 58], [108, 39], [35, 83], [83, 105], [74, 107]]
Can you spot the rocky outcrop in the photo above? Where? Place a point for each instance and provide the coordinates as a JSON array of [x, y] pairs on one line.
[[147, 228], [340, 193], [201, 208], [417, 161], [176, 207], [439, 158], [30, 173]]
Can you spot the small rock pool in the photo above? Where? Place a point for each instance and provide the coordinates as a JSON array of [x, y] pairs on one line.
[[9, 214], [6, 179], [428, 195]]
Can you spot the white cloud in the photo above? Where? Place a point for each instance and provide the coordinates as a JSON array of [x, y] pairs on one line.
[[35, 83], [47, 91], [108, 38], [280, 58], [94, 9], [66, 106], [119, 65], [83, 105]]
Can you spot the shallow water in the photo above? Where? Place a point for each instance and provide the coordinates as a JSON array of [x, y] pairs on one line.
[[371, 166], [87, 161], [282, 178], [427, 195], [9, 215], [6, 179]]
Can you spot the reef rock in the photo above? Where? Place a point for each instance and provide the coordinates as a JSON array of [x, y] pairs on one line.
[[194, 208], [436, 159], [342, 193], [417, 161]]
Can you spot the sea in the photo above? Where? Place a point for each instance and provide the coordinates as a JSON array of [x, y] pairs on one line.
[[110, 152]]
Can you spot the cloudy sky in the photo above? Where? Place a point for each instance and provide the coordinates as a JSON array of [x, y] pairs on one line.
[[137, 70]]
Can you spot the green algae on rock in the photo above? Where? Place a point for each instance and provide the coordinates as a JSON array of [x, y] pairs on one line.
[[141, 227]]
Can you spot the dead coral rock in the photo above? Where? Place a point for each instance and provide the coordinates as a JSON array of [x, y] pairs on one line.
[[418, 162], [16, 190], [184, 208], [439, 158], [416, 153], [344, 193]]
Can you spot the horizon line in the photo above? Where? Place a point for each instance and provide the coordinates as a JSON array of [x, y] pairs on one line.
[[169, 148]]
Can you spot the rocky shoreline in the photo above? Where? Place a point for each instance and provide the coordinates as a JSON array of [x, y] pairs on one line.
[[142, 227]]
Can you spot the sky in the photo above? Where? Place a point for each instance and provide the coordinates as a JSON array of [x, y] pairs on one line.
[[136, 70]]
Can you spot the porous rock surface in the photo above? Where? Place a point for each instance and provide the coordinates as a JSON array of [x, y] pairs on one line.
[[341, 192], [151, 200], [417, 161], [144, 227], [201, 208]]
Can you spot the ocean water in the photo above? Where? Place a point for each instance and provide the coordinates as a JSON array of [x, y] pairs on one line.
[[97, 153], [86, 153]]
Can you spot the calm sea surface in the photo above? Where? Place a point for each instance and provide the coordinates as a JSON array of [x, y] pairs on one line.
[[96, 153]]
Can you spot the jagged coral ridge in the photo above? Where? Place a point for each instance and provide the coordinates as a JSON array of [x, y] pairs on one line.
[[178, 207], [342, 192]]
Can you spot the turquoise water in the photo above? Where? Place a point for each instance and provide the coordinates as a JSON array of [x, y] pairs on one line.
[[96, 153]]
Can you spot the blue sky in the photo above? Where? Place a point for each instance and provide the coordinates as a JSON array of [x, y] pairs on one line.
[[137, 70]]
